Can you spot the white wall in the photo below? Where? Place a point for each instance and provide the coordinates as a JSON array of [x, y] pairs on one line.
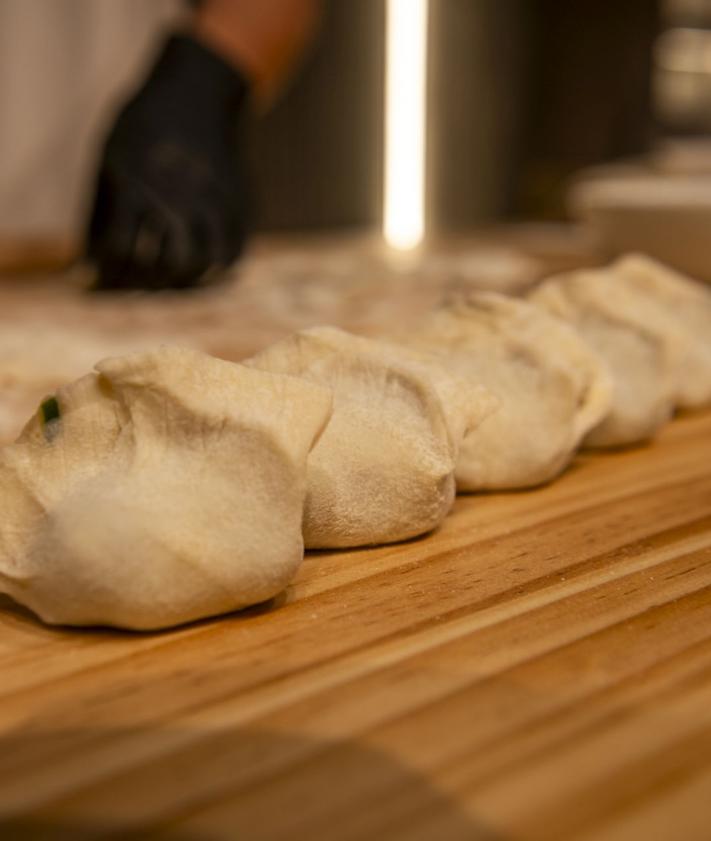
[[63, 65]]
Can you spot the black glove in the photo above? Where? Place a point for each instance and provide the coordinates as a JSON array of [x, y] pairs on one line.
[[170, 203]]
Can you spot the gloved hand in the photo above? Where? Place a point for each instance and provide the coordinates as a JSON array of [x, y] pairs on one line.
[[170, 204]]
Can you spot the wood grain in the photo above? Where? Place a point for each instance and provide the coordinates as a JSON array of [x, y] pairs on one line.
[[538, 669]]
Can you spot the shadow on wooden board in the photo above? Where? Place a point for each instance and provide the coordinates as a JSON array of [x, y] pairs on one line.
[[194, 785]]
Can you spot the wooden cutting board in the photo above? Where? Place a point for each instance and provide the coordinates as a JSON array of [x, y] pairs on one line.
[[539, 668]]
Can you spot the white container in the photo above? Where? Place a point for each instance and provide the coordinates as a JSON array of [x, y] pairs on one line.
[[667, 216]]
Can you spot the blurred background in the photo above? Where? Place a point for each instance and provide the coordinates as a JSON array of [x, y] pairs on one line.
[[522, 92], [521, 95], [558, 134]]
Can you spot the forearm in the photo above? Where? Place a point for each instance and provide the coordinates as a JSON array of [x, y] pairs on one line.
[[262, 38]]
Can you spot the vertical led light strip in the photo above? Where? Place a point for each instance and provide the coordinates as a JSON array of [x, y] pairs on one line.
[[405, 98]]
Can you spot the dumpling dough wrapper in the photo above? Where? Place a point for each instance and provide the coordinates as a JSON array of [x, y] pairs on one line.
[[624, 329], [166, 487], [383, 470], [551, 387], [681, 311]]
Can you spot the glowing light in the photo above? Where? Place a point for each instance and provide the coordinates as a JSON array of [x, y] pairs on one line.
[[405, 112]]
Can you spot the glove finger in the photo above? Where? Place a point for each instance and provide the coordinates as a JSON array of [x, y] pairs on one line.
[[130, 263], [114, 218], [181, 262], [164, 252], [186, 255], [211, 247], [211, 229], [148, 243], [222, 238], [112, 233], [114, 261]]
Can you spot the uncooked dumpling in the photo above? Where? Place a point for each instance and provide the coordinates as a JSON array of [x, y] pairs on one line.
[[383, 469], [622, 328], [682, 311], [167, 487], [550, 386]]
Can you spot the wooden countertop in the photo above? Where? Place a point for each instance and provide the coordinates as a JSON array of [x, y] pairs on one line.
[[538, 669]]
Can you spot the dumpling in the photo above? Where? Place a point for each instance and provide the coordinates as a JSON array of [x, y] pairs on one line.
[[623, 328], [551, 387], [383, 469], [167, 487], [682, 311]]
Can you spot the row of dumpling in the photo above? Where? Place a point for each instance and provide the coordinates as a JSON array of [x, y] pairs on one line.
[[169, 485]]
